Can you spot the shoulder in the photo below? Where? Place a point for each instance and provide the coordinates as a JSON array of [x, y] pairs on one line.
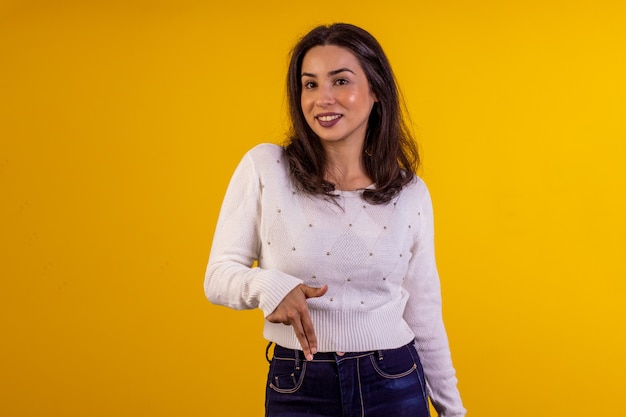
[[415, 205], [266, 152], [269, 163], [416, 191], [262, 158]]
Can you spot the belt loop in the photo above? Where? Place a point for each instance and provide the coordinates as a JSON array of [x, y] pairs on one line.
[[267, 351], [380, 355], [297, 356]]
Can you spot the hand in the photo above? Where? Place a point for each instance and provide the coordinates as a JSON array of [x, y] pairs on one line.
[[294, 311]]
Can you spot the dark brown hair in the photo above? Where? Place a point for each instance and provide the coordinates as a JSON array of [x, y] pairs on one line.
[[390, 156]]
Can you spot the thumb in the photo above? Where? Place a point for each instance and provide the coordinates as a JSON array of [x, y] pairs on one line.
[[312, 292]]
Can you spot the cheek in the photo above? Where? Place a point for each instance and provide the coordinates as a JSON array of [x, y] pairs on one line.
[[305, 104], [306, 107], [352, 99]]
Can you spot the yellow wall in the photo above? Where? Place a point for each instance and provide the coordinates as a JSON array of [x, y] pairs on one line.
[[121, 122]]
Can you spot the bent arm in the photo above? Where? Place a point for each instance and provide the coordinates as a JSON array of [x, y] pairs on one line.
[[230, 279]]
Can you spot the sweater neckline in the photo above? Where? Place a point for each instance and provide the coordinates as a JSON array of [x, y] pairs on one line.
[[353, 193]]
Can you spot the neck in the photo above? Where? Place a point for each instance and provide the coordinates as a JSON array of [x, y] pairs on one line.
[[345, 167]]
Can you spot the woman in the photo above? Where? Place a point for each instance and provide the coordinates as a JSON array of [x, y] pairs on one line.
[[342, 230]]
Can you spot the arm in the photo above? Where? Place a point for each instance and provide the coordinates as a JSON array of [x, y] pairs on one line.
[[424, 314], [230, 279]]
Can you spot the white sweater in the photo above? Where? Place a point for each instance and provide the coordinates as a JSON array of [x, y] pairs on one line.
[[377, 260]]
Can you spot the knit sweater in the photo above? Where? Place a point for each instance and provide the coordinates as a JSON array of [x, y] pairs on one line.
[[377, 260]]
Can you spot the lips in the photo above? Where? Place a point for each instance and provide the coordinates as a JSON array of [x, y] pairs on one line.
[[328, 119]]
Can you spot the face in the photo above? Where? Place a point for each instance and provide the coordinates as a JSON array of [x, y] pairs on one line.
[[336, 99]]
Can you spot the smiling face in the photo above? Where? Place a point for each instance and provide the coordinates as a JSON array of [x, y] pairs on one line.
[[336, 99]]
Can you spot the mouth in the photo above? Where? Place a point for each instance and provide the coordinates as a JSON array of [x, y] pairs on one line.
[[328, 119]]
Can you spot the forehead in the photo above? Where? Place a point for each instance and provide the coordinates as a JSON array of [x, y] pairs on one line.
[[326, 58]]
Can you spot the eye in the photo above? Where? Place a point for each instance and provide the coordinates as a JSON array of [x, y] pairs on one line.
[[308, 85], [341, 81]]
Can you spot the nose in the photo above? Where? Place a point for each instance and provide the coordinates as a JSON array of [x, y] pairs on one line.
[[325, 96]]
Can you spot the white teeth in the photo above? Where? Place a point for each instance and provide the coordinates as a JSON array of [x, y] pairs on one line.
[[329, 118]]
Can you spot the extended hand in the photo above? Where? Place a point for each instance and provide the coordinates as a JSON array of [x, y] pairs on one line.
[[294, 311]]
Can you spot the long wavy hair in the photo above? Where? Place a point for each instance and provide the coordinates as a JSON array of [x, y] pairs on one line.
[[390, 155]]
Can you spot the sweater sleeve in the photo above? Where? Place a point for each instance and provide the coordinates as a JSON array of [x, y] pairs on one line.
[[423, 313], [230, 279]]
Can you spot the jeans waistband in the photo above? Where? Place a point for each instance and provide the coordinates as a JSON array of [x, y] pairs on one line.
[[286, 353]]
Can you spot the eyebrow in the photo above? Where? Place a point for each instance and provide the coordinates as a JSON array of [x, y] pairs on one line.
[[330, 74]]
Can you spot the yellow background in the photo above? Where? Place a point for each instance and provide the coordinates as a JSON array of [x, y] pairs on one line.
[[121, 123]]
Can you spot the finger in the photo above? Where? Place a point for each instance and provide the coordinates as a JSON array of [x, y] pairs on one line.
[[302, 338], [309, 333], [312, 292], [274, 318], [307, 323]]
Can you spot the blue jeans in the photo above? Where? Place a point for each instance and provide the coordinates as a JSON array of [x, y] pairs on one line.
[[385, 383]]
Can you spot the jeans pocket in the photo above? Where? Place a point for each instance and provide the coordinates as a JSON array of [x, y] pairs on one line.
[[285, 377], [393, 363]]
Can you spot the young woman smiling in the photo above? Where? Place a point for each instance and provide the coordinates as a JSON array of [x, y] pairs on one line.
[[342, 230]]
